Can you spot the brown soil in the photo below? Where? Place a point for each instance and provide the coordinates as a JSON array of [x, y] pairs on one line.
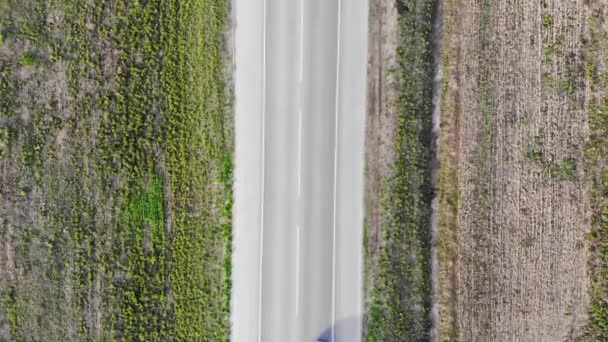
[[514, 202]]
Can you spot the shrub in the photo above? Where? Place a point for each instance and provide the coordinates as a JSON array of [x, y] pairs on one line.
[[547, 21], [28, 59], [568, 169]]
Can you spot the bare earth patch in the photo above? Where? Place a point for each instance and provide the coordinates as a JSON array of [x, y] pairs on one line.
[[514, 200]]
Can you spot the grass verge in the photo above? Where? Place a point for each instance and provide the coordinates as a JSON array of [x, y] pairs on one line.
[[116, 142], [401, 295], [595, 153]]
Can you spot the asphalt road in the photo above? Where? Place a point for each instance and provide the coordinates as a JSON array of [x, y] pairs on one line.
[[300, 68]]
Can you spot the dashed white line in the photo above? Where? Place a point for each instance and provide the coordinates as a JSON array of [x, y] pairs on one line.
[[301, 38], [299, 153], [333, 274], [299, 156], [263, 157]]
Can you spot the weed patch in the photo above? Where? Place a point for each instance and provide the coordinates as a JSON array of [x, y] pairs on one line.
[[28, 59], [547, 21]]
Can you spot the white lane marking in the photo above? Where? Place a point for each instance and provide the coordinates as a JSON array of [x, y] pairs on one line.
[[299, 153], [298, 270], [263, 157], [301, 38], [299, 157], [333, 274]]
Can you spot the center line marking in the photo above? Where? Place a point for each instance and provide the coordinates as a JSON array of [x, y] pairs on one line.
[[263, 160], [333, 274]]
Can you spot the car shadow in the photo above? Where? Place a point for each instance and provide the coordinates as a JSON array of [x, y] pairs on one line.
[[344, 330]]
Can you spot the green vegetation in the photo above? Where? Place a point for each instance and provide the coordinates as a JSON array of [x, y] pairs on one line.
[[402, 290], [547, 21], [535, 155], [597, 152], [551, 83], [527, 243], [449, 196], [567, 170], [549, 53], [143, 238], [554, 50], [597, 169], [28, 59], [118, 183]]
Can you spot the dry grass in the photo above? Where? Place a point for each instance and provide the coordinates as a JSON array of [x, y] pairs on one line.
[[514, 198]]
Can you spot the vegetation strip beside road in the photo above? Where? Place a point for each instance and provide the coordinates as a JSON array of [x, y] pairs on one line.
[[596, 73], [401, 285], [116, 157]]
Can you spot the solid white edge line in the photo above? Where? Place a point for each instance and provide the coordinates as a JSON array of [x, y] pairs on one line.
[[298, 218], [299, 157], [333, 277], [263, 157]]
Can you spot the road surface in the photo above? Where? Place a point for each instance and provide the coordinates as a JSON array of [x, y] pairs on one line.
[[300, 68]]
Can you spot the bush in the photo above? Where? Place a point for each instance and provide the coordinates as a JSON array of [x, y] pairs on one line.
[[547, 21], [568, 169], [28, 59]]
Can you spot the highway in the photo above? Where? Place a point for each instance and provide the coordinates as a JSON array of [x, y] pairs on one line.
[[300, 78]]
